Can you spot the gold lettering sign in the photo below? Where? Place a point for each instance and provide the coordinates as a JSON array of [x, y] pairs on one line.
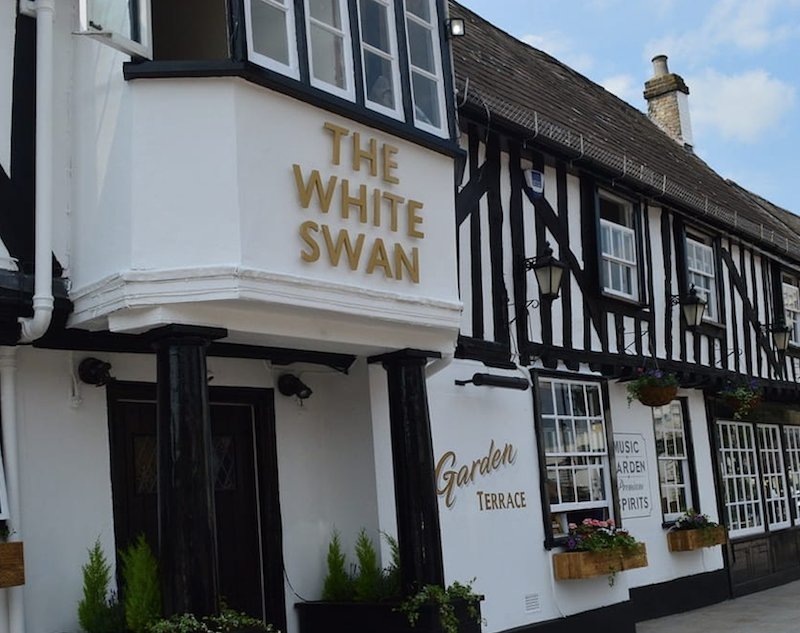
[[363, 204], [449, 476]]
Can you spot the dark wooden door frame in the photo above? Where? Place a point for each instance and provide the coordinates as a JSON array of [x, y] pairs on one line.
[[262, 402]]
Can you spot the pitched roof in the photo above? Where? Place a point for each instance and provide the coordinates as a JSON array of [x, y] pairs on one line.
[[534, 94]]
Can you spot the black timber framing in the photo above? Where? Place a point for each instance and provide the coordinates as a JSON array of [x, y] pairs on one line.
[[495, 203], [749, 316], [82, 340], [518, 267], [679, 595], [566, 280], [559, 231]]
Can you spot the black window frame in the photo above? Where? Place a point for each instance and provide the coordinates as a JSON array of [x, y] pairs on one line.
[[551, 540], [642, 300], [690, 458]]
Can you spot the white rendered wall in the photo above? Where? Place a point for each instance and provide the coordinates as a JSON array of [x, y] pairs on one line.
[[327, 477], [325, 459], [504, 549]]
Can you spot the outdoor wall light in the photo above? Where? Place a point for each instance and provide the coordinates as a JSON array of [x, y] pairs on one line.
[[548, 271], [94, 371], [694, 307], [490, 380], [291, 385], [781, 334], [456, 27]]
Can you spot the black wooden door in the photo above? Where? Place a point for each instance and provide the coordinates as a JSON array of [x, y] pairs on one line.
[[249, 539]]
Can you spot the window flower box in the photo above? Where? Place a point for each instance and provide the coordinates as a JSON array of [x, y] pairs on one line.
[[688, 540], [582, 564], [12, 564]]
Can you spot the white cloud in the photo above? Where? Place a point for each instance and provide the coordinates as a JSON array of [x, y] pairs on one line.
[[739, 107], [562, 48], [624, 86], [747, 25]]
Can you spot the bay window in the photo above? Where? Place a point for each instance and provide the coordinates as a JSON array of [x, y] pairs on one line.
[[423, 53], [379, 56], [336, 43], [271, 35], [329, 49]]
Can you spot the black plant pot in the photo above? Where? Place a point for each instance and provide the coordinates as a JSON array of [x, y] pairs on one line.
[[359, 617]]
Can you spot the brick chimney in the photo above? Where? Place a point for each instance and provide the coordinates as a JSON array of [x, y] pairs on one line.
[[667, 98]]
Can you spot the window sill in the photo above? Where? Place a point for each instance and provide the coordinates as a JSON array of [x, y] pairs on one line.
[[286, 85], [619, 303]]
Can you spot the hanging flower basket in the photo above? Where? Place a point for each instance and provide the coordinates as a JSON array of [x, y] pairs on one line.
[[655, 396], [742, 399], [652, 387]]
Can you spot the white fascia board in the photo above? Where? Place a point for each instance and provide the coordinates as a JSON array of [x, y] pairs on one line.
[[120, 302]]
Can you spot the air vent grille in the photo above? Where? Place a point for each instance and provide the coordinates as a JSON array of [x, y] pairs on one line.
[[532, 604]]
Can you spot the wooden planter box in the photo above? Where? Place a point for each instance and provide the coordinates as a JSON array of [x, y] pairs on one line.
[[573, 565], [654, 396], [12, 564], [359, 617], [688, 540]]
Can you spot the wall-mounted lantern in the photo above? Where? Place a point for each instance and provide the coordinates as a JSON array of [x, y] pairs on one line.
[[548, 271], [694, 307]]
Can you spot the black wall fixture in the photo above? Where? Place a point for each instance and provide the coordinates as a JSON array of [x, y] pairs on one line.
[[94, 371], [291, 385], [491, 380]]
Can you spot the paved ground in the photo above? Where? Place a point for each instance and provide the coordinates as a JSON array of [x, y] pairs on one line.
[[771, 611]]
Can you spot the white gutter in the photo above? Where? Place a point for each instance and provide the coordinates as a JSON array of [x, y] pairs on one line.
[[8, 414], [36, 326], [434, 367]]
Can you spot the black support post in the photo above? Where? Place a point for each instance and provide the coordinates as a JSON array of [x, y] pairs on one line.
[[186, 520], [418, 532]]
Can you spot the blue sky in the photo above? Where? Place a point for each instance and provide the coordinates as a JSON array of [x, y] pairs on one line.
[[740, 59]]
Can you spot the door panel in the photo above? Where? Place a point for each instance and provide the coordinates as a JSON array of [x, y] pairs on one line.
[[249, 541]]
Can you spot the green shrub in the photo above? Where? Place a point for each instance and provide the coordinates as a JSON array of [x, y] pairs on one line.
[[98, 612], [392, 582], [142, 596], [369, 578], [228, 620], [338, 586]]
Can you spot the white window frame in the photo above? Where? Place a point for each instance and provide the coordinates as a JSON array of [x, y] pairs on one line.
[[91, 26], [437, 77], [610, 258], [792, 439], [695, 275], [391, 56], [349, 92], [292, 69], [740, 475], [773, 476], [791, 307], [672, 457], [596, 458]]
